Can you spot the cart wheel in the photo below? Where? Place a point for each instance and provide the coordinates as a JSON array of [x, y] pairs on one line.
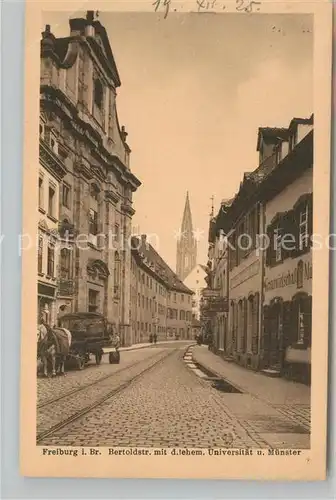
[[80, 363], [98, 358]]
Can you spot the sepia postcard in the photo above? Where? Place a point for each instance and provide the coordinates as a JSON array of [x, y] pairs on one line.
[[175, 240]]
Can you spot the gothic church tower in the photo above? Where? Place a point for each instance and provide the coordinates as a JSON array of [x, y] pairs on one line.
[[186, 245]]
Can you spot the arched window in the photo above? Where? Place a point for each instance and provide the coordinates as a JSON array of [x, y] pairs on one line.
[[65, 263], [116, 272], [93, 212]]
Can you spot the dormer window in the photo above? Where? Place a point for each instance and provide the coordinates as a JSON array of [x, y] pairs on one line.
[[293, 140], [98, 93], [278, 152]]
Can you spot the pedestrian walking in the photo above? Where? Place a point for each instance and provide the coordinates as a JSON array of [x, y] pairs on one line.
[[155, 338]]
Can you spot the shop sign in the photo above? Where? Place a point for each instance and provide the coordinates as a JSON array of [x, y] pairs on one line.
[[303, 272], [211, 292], [219, 305]]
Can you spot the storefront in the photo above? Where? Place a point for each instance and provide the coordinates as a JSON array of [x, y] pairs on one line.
[[46, 303], [287, 311]]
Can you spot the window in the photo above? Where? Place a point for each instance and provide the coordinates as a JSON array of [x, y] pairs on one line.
[[66, 195], [174, 297], [182, 315], [93, 222], [143, 302], [139, 300], [116, 232], [301, 326], [93, 300], [94, 192], [182, 297], [65, 263], [303, 228], [98, 93], [116, 271], [278, 153], [40, 193], [277, 244], [51, 261], [51, 201], [40, 255]]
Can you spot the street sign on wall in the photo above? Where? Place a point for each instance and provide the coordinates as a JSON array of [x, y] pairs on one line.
[[210, 292]]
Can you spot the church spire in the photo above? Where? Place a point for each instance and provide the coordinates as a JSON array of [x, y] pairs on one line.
[[186, 246], [187, 219]]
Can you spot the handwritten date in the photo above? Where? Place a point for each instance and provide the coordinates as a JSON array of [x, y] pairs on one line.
[[247, 6]]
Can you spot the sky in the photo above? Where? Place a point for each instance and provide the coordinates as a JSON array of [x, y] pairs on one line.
[[195, 89]]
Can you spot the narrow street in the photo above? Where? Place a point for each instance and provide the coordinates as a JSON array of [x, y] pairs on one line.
[[157, 397]]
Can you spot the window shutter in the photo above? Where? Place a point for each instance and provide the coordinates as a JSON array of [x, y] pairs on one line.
[[294, 331], [244, 329], [255, 325], [296, 229], [307, 318], [269, 247], [288, 240], [266, 328]]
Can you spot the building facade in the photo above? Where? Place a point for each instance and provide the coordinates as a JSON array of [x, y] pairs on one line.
[[51, 172], [287, 305], [161, 303], [195, 281], [79, 81], [268, 284], [186, 255]]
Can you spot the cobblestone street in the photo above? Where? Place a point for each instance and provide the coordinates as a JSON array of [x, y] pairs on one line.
[[166, 406]]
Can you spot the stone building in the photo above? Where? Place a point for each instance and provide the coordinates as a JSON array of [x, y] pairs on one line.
[[268, 288], [195, 281], [51, 172], [287, 305], [161, 303], [186, 252], [79, 81]]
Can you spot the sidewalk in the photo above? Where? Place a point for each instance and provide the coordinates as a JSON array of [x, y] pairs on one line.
[[148, 344], [276, 391]]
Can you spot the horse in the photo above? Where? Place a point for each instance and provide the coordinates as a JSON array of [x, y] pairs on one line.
[[53, 346]]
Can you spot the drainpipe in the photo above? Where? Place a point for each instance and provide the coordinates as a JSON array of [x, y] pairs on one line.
[[262, 274]]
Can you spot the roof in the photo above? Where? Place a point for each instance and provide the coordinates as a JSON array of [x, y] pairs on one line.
[[272, 135], [254, 183], [204, 267], [155, 263], [301, 121]]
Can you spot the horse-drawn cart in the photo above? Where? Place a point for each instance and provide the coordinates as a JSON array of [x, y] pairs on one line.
[[91, 335]]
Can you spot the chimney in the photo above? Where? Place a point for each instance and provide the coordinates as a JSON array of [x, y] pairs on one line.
[[47, 38], [90, 16], [89, 29]]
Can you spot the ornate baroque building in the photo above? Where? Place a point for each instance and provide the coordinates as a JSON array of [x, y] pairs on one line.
[[186, 256], [79, 80]]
